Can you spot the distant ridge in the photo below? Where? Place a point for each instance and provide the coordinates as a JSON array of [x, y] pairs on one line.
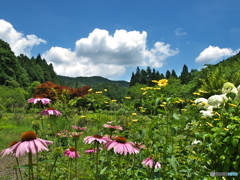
[[91, 81]]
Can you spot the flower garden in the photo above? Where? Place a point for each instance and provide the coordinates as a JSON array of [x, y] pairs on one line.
[[146, 136]]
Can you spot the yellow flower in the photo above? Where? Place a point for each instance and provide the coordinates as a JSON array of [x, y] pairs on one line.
[[105, 90], [143, 110], [144, 93], [143, 89], [140, 107], [203, 104], [90, 89], [162, 105], [183, 109], [226, 129], [106, 102], [98, 92], [181, 100], [135, 120], [164, 102], [128, 97], [202, 91], [114, 100], [216, 119], [209, 124], [162, 82], [83, 116], [134, 114], [157, 88], [233, 105], [149, 87], [196, 93]]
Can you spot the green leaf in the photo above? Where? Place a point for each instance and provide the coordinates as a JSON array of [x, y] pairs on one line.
[[103, 170], [173, 162], [176, 116], [235, 142], [231, 126]]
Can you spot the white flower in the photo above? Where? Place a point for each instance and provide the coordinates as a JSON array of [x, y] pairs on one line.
[[196, 142], [207, 113], [217, 100], [202, 103], [238, 94], [229, 88], [209, 108]]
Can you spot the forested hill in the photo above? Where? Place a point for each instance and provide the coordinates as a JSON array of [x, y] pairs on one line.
[[90, 81], [210, 78], [22, 71]]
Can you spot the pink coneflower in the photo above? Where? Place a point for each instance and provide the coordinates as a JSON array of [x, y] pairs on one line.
[[151, 162], [39, 99], [29, 143], [63, 133], [112, 127], [71, 152], [121, 146], [96, 138], [91, 150], [79, 128], [51, 111]]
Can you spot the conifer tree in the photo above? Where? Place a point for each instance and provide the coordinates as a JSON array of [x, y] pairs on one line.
[[185, 75]]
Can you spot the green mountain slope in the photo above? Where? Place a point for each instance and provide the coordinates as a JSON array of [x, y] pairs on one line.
[[90, 81]]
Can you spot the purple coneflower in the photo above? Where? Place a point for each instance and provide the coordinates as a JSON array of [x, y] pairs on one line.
[[151, 162], [112, 127], [64, 133], [121, 146], [96, 138], [71, 152], [29, 143], [51, 111], [91, 150], [39, 99], [79, 128]]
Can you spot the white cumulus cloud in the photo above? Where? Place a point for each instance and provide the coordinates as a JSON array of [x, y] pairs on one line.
[[108, 55], [19, 43], [214, 53]]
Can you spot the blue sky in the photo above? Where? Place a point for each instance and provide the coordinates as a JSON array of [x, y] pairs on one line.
[[110, 38]]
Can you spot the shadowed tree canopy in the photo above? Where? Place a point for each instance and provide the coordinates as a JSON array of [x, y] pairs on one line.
[[23, 70]]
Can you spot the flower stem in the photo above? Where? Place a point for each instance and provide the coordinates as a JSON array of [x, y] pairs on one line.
[[119, 157], [152, 169], [52, 168], [30, 164], [19, 169], [97, 147], [76, 159]]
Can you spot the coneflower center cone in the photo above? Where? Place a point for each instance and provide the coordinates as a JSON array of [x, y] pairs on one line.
[[13, 143], [97, 136], [122, 140], [28, 136], [72, 149]]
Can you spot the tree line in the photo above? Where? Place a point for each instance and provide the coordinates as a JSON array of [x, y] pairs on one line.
[[21, 71]]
